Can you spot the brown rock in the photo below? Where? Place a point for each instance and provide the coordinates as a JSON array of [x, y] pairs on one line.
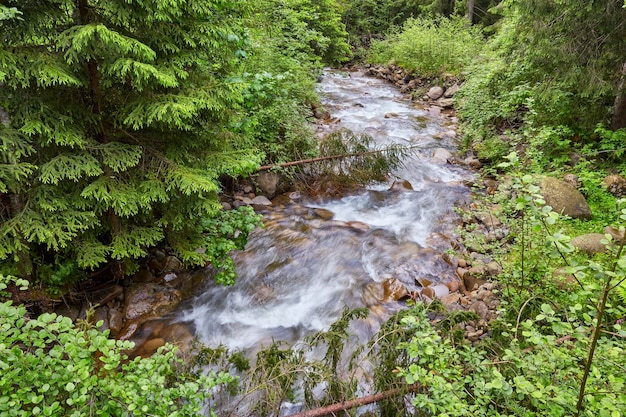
[[564, 280], [149, 300], [143, 275], [480, 308], [401, 185], [323, 213], [429, 293], [617, 234], [616, 185], [172, 264], [565, 199], [150, 347], [572, 180], [116, 321], [461, 272], [470, 282], [450, 299], [590, 243], [101, 314], [394, 290], [453, 286]]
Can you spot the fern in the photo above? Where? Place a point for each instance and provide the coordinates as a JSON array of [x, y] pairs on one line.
[[117, 115]]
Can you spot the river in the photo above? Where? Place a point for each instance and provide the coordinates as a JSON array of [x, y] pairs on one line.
[[313, 258]]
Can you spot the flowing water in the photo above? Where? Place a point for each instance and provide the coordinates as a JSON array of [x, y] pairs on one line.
[[313, 258]]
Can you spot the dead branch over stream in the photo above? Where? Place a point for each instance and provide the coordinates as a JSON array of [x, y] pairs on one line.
[[358, 402]]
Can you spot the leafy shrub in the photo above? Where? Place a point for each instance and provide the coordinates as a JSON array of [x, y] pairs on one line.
[[52, 367], [226, 232], [430, 47]]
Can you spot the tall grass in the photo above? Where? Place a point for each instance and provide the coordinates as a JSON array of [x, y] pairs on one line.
[[430, 47]]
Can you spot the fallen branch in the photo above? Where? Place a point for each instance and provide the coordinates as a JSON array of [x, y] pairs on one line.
[[321, 158], [346, 405]]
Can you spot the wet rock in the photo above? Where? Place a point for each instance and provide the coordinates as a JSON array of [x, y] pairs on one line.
[[616, 185], [359, 226], [261, 200], [394, 290], [172, 264], [295, 196], [149, 300], [391, 115], [442, 156], [128, 331], [472, 162], [454, 285], [101, 314], [373, 294], [116, 321], [401, 185], [565, 199], [590, 243], [435, 92], [323, 213]]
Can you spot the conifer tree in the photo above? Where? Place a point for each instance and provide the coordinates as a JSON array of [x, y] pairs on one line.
[[115, 127]]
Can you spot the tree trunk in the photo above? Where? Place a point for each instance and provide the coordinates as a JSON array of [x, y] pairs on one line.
[[619, 107], [95, 95], [470, 11]]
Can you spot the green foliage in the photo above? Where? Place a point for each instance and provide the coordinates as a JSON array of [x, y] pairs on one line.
[[548, 76], [76, 370], [226, 232], [119, 125], [430, 47], [534, 375]]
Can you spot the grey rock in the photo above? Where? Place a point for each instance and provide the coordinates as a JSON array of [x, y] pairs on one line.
[[565, 199], [435, 92], [589, 243]]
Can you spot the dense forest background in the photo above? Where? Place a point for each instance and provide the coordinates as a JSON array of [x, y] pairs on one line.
[[122, 122]]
